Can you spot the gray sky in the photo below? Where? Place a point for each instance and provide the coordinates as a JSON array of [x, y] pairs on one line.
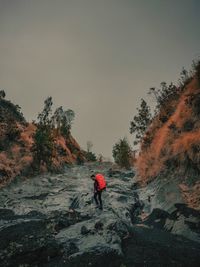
[[97, 57]]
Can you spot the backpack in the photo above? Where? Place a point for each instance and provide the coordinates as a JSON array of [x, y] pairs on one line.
[[101, 181]]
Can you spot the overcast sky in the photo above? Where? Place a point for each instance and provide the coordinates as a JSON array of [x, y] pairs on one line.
[[97, 57]]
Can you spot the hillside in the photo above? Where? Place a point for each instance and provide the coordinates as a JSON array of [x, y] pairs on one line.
[[173, 148], [16, 145]]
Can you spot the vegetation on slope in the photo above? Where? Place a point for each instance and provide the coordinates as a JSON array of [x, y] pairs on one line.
[[171, 139]]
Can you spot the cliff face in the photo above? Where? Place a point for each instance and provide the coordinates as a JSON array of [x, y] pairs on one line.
[[16, 141], [175, 144]]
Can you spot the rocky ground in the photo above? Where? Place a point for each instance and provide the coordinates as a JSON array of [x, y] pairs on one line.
[[51, 220]]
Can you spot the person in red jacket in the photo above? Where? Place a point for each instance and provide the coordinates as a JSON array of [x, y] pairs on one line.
[[99, 186]]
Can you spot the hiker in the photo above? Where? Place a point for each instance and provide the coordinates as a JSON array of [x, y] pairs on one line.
[[99, 186]]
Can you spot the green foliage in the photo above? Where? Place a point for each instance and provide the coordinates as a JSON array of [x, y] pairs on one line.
[[90, 156], [66, 122], [43, 146], [122, 153], [44, 117], [62, 120], [141, 121], [57, 117], [164, 95]]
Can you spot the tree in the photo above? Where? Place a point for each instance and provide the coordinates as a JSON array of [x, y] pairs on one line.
[[89, 146], [122, 153], [43, 146], [90, 156], [66, 122], [43, 138], [164, 94], [62, 120], [2, 94], [165, 97], [184, 76], [44, 117], [57, 118], [140, 122], [100, 158], [196, 68]]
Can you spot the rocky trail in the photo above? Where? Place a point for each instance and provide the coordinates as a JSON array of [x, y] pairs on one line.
[[51, 220]]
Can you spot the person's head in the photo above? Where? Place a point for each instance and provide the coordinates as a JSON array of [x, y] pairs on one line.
[[92, 177]]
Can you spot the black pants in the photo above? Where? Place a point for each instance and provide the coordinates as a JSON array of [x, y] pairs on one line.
[[97, 198]]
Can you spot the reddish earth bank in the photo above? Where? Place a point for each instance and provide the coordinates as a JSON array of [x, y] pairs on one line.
[[174, 149], [16, 141]]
